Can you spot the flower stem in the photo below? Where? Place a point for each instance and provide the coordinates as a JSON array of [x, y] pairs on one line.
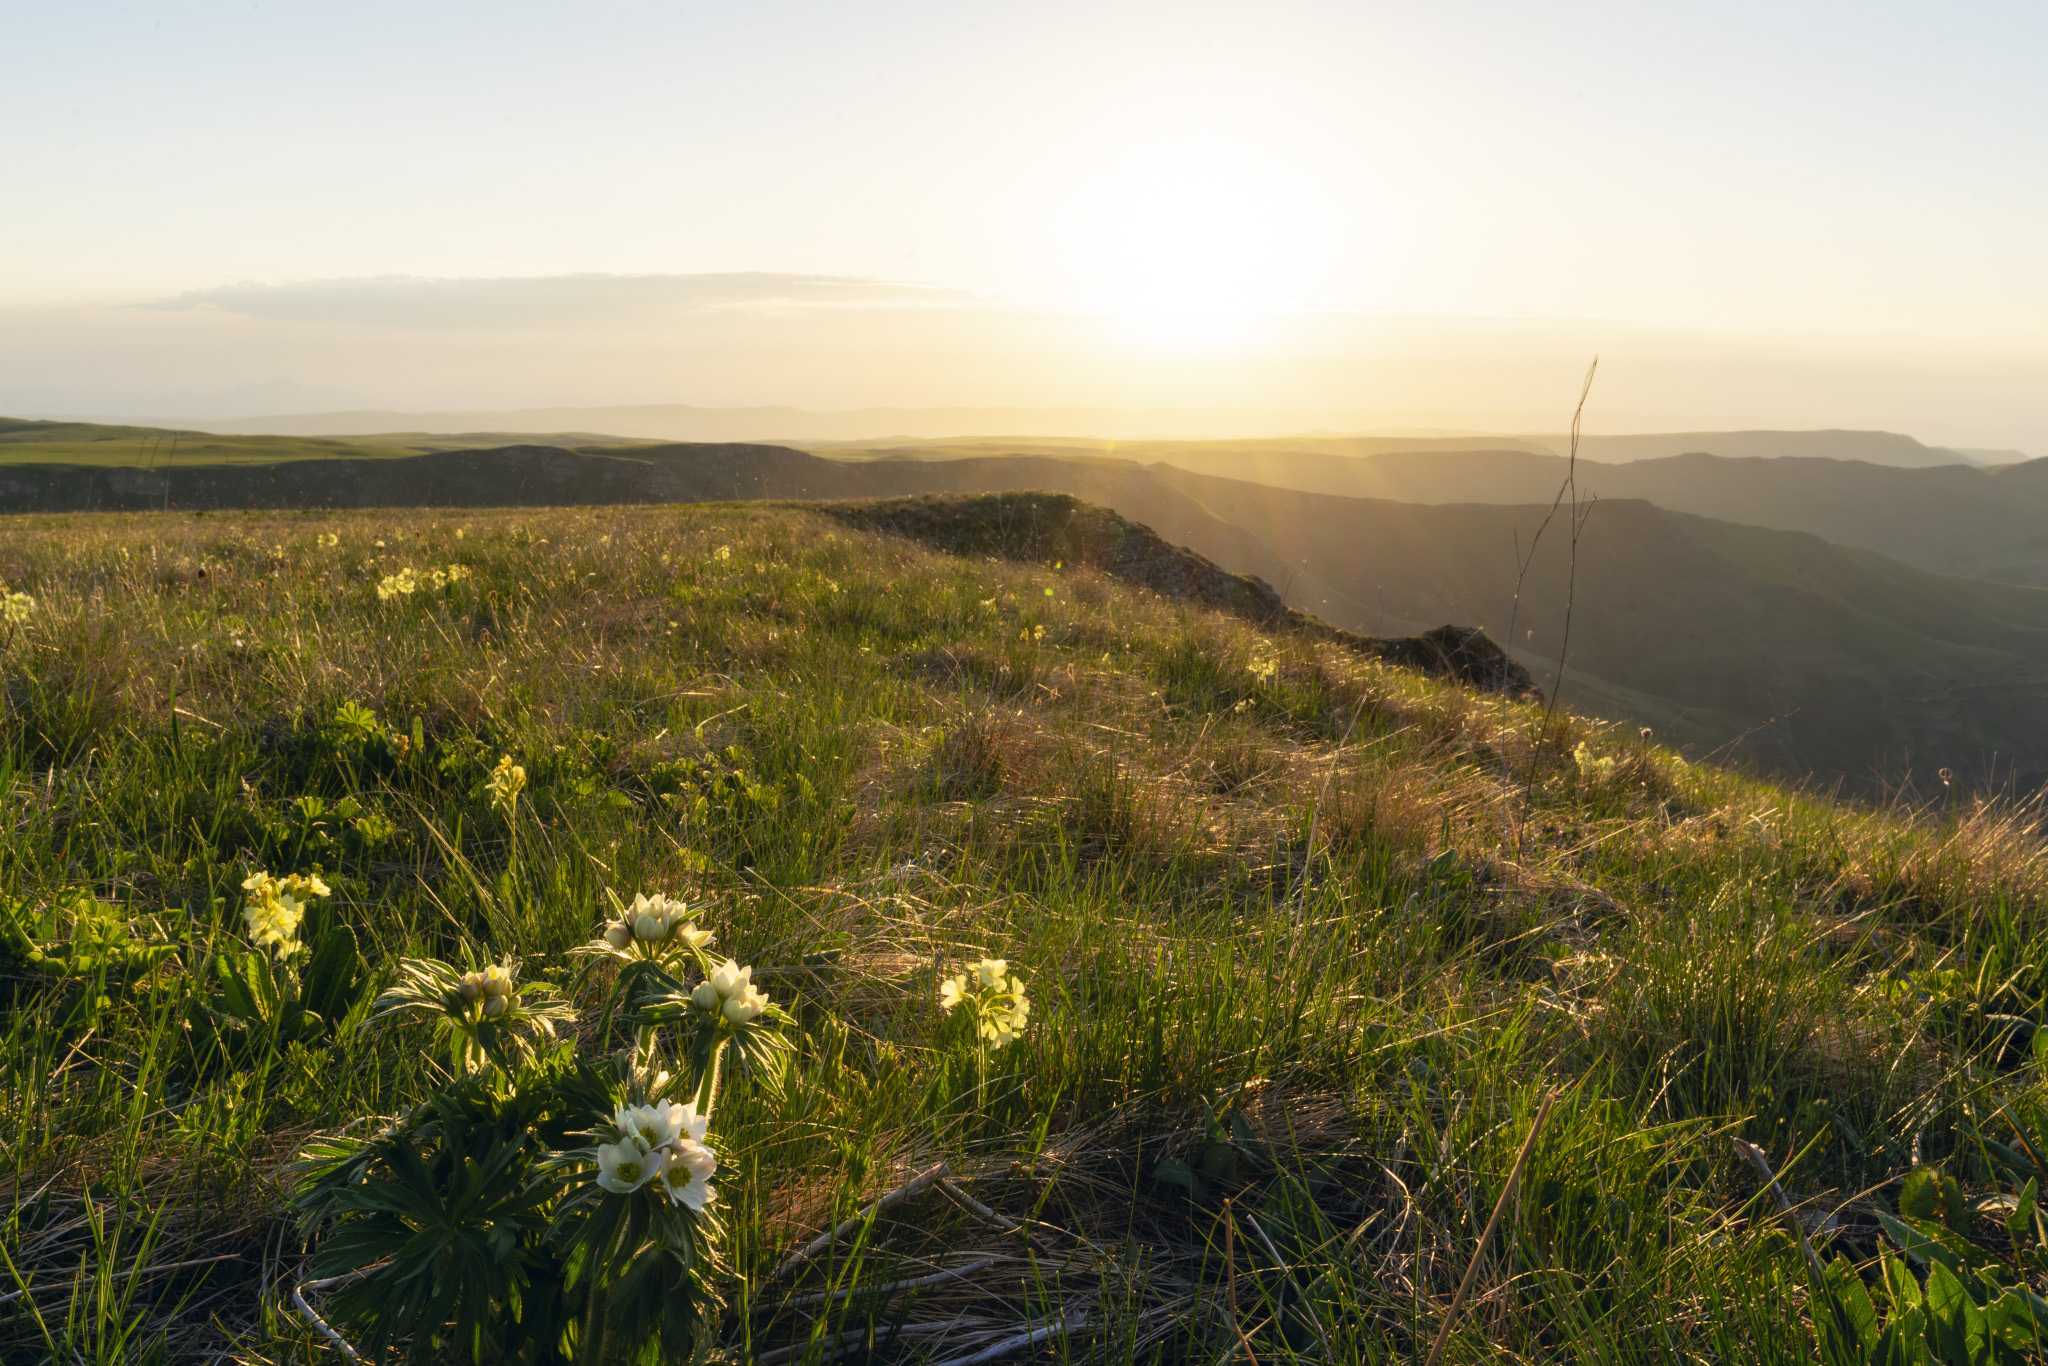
[[707, 1093]]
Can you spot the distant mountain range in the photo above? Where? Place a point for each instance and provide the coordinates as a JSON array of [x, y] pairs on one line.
[[1803, 654], [1082, 426]]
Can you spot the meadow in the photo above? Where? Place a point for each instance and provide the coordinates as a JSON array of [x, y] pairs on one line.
[[1329, 966]]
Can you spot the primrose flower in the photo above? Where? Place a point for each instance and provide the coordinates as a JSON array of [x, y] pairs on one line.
[[276, 906], [994, 996], [627, 1165], [505, 784], [1593, 767]]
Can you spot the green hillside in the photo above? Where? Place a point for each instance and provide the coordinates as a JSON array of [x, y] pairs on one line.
[[1310, 964], [1808, 657]]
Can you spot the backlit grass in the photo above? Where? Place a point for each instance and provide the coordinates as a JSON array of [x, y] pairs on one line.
[[1307, 940]]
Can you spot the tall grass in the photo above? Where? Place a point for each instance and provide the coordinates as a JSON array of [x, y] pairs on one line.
[[1296, 939]]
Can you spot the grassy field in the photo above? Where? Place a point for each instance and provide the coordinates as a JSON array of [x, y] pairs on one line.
[[1309, 944]]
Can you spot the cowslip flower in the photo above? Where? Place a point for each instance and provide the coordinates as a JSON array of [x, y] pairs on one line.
[[276, 906], [995, 998], [505, 784], [729, 992]]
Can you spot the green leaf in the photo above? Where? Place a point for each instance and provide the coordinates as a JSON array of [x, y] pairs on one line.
[[2021, 1221], [333, 980], [1174, 1172]]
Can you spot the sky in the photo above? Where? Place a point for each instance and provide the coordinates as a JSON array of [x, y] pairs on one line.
[[1395, 214]]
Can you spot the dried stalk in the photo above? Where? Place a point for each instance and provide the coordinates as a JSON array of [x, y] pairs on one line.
[[1507, 1193]]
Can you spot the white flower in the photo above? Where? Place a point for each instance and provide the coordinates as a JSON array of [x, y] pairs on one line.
[[730, 992], [627, 1165], [686, 1176], [655, 1126], [661, 919]]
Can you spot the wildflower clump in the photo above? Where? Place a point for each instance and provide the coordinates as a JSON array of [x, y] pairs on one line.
[[660, 1148], [505, 784], [276, 906], [994, 997], [407, 582], [729, 993], [484, 1013], [651, 927], [16, 607], [1593, 768]]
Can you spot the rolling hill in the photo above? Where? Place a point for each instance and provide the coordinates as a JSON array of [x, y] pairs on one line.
[[1805, 655]]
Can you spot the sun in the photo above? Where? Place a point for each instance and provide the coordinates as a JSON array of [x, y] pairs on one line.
[[1188, 251]]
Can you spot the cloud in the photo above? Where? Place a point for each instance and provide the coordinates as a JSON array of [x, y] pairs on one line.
[[547, 303]]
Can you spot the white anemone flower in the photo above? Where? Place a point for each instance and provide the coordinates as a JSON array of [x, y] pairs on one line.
[[730, 991], [686, 1177], [627, 1165], [655, 1126], [661, 919]]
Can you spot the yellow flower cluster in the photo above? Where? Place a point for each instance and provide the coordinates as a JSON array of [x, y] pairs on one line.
[[405, 582], [276, 906], [1592, 767], [327, 539], [994, 995], [505, 784], [16, 608]]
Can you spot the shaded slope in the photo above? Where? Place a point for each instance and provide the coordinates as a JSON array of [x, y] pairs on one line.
[[1953, 519], [1849, 660]]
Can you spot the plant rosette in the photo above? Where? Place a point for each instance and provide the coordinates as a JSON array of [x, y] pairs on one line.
[[483, 1014]]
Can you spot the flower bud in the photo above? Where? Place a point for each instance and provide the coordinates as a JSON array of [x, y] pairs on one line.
[[470, 989], [496, 1006], [650, 927], [618, 934], [705, 997], [739, 1010]]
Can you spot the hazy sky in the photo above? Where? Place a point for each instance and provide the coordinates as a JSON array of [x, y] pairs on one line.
[[1809, 213]]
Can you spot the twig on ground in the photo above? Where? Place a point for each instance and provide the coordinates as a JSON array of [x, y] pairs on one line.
[[1068, 1321], [987, 1215], [312, 1316], [915, 1186], [1507, 1193]]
